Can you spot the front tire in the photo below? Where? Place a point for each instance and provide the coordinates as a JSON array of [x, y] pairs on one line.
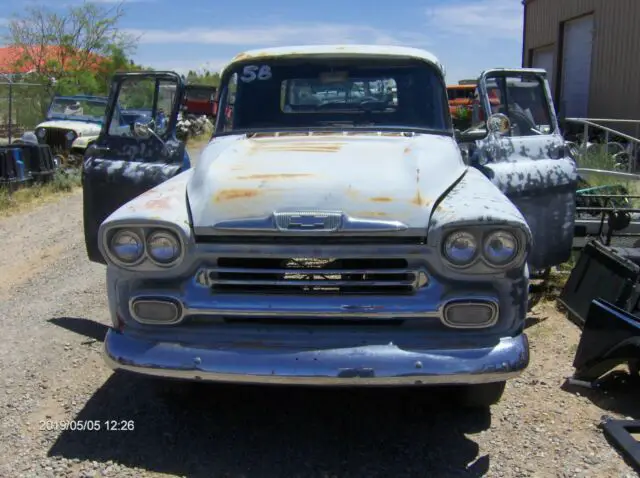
[[479, 396]]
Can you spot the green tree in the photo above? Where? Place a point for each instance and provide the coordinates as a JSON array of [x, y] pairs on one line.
[[204, 78], [80, 49]]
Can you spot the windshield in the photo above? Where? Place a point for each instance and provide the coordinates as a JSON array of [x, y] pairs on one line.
[[311, 93], [80, 109]]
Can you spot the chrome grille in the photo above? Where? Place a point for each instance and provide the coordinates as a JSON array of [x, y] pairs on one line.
[[313, 276]]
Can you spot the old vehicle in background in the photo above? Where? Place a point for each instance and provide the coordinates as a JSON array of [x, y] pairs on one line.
[[460, 96], [200, 100], [461, 99], [325, 238], [71, 124]]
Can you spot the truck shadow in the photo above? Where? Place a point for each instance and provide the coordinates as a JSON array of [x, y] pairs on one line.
[[89, 328], [196, 429], [617, 392]]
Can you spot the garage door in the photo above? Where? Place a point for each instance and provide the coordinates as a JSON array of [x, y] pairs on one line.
[[576, 66], [544, 58]]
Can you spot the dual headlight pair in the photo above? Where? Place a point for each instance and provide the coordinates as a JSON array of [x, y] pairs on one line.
[[498, 248], [129, 247]]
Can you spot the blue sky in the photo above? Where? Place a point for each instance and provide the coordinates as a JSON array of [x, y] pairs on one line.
[[467, 35]]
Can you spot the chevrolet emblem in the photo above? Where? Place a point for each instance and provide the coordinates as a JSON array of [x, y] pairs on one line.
[[308, 221]]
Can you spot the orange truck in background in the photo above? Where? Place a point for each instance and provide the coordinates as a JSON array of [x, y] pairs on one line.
[[460, 96], [463, 99]]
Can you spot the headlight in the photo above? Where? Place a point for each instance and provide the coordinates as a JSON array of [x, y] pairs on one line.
[[126, 246], [163, 247], [460, 248], [70, 135], [500, 248], [41, 133]]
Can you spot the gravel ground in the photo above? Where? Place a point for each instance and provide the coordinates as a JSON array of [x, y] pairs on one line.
[[53, 315]]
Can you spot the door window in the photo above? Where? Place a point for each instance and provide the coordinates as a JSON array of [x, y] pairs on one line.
[[146, 100], [522, 98]]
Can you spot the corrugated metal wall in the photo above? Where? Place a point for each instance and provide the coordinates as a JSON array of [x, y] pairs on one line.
[[615, 65]]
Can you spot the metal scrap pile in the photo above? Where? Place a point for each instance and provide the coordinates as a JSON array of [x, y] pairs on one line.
[[192, 125]]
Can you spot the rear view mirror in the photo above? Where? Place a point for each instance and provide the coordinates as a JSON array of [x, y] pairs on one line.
[[498, 124], [471, 135], [141, 130]]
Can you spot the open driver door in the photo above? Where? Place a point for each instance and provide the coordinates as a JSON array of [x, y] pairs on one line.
[[134, 155]]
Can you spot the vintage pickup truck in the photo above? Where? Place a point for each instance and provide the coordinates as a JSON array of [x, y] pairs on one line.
[[331, 240]]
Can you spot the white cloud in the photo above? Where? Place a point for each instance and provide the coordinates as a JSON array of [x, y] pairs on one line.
[[313, 33], [491, 19]]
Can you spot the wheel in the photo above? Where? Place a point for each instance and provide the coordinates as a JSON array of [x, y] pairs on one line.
[[479, 396]]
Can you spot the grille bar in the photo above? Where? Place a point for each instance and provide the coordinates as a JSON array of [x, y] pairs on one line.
[[321, 240], [240, 270], [313, 276], [322, 282]]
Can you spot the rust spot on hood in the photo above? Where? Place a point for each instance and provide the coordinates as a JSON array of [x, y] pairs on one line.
[[296, 146], [228, 194], [275, 176], [370, 214], [381, 199], [161, 203]]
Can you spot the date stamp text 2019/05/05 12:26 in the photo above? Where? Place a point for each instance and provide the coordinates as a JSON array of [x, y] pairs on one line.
[[87, 425]]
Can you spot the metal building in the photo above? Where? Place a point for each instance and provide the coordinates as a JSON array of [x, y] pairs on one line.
[[591, 51]]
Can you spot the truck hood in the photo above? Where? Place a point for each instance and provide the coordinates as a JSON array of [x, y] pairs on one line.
[[86, 128], [240, 182]]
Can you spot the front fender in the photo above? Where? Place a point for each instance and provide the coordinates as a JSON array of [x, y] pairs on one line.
[[474, 201], [83, 142]]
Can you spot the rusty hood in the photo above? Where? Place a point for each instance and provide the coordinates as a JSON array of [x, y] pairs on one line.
[[391, 179]]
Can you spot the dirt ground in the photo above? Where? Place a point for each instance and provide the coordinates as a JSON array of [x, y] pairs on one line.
[[53, 317]]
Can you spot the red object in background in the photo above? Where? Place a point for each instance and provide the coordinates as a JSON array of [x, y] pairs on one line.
[[200, 100]]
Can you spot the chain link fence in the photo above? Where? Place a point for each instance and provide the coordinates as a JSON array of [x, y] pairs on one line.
[[22, 106]]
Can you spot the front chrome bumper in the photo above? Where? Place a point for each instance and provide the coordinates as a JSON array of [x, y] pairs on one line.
[[371, 365]]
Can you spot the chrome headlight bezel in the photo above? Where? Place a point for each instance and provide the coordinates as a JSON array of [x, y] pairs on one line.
[[118, 258], [70, 135], [41, 133], [144, 232], [509, 236], [472, 251], [483, 235], [160, 234]]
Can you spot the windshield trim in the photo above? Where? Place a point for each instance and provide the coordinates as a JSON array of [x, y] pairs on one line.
[[340, 129], [83, 119]]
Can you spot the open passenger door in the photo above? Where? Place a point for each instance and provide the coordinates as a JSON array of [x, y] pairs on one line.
[[136, 150], [527, 159]]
